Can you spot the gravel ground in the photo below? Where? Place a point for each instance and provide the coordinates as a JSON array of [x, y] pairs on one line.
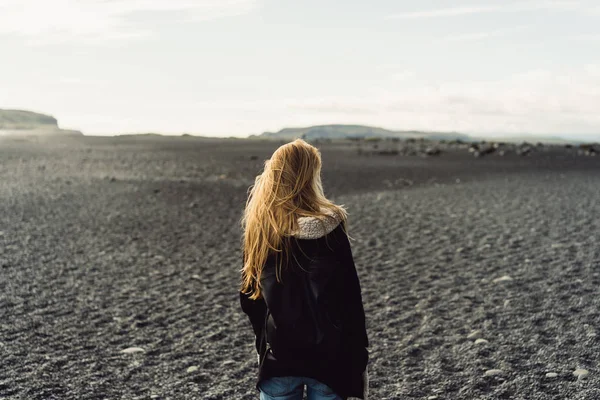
[[133, 243]]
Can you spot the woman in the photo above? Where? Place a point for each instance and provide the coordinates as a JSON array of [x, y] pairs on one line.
[[299, 286]]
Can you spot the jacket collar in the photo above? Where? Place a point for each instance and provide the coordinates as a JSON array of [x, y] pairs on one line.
[[314, 228]]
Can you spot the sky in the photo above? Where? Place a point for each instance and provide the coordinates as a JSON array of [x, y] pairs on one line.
[[240, 67]]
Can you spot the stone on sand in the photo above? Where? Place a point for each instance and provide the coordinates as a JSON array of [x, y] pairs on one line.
[[580, 373], [193, 368], [131, 350], [475, 334], [504, 278], [494, 372], [551, 375], [481, 341]]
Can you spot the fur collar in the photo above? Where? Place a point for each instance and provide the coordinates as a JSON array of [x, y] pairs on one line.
[[314, 228]]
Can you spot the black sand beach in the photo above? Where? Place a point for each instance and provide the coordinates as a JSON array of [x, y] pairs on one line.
[[119, 263]]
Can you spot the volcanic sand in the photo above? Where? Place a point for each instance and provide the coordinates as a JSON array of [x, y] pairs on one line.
[[112, 244]]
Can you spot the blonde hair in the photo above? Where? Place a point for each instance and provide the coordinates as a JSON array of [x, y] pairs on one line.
[[289, 187]]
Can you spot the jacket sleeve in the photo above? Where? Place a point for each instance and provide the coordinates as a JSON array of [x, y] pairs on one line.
[[256, 311], [354, 311]]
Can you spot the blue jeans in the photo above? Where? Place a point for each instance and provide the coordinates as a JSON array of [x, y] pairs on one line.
[[292, 388]]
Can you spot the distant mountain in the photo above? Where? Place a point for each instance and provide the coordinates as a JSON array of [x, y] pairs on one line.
[[357, 131], [27, 123], [361, 131]]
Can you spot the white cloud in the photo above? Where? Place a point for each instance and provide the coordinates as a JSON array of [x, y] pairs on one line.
[[493, 8], [538, 102], [588, 37], [465, 37], [534, 102], [42, 21]]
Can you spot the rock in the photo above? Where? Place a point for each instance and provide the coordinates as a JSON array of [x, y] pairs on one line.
[[494, 372], [131, 350], [580, 373], [481, 341], [524, 151], [460, 250], [487, 150], [504, 278], [433, 151], [193, 368], [551, 375], [434, 397], [476, 334]]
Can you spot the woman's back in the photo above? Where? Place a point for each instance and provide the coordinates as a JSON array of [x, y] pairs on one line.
[[308, 300], [300, 286]]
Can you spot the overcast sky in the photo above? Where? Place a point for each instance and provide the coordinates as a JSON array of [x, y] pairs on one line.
[[237, 67]]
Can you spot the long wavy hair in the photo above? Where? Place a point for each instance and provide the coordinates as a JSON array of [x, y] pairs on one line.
[[288, 188]]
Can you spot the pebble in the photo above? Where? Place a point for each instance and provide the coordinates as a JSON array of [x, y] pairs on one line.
[[493, 372], [476, 334], [581, 373], [193, 368], [504, 278], [434, 397], [551, 375], [131, 350], [481, 341]]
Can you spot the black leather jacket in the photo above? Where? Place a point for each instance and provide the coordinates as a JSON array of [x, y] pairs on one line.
[[320, 280]]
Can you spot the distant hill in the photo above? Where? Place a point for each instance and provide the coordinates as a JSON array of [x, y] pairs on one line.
[[357, 131], [361, 131], [27, 123]]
